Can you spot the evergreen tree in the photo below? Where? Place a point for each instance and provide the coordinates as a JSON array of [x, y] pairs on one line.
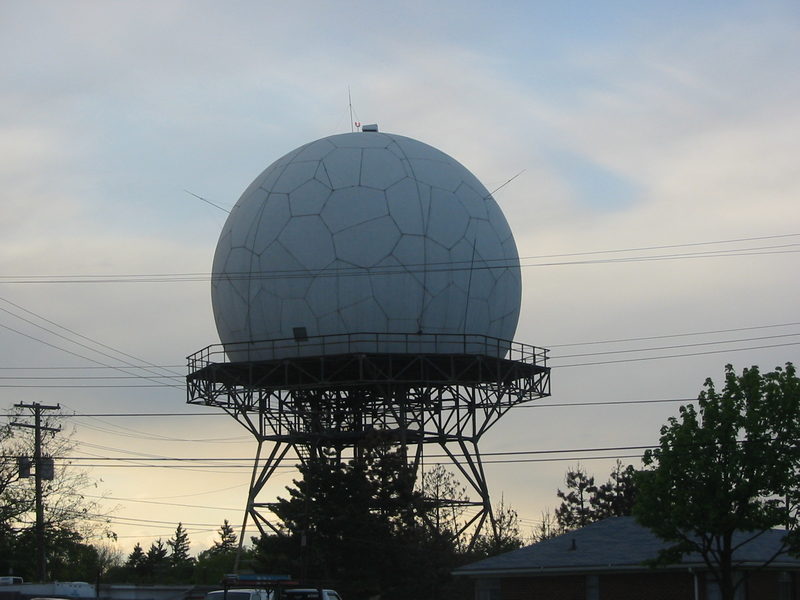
[[156, 560], [179, 547], [616, 497], [228, 540], [157, 553], [136, 559], [584, 502], [357, 525], [576, 508], [212, 564]]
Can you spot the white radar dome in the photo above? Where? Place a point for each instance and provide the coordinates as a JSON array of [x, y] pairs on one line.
[[363, 233]]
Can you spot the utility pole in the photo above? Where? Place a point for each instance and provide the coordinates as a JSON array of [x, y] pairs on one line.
[[44, 471]]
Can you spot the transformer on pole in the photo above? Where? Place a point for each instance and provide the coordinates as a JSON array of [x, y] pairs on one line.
[[44, 470]]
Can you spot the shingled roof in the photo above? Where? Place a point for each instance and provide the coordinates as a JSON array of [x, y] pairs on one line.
[[615, 544]]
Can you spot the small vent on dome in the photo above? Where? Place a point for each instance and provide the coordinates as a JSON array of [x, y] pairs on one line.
[[373, 127], [300, 334]]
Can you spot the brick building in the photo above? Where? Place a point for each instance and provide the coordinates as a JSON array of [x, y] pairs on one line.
[[604, 561]]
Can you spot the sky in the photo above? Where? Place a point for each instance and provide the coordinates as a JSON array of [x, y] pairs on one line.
[[656, 212]]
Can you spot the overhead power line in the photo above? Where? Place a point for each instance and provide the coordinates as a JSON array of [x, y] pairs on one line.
[[97, 347], [121, 368], [672, 347], [681, 355], [145, 364], [216, 413], [672, 335], [448, 266], [583, 364], [177, 504], [216, 468], [248, 460], [535, 404], [554, 357]]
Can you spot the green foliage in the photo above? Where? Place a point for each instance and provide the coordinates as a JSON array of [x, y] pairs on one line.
[[362, 528], [211, 567], [136, 559], [444, 504], [179, 548], [70, 517], [154, 566], [156, 561], [546, 529], [214, 563], [181, 564], [505, 536], [575, 509], [731, 464], [584, 502], [349, 522], [228, 540], [615, 497], [69, 556], [278, 554]]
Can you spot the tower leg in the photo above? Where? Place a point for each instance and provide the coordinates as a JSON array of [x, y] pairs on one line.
[[470, 466]]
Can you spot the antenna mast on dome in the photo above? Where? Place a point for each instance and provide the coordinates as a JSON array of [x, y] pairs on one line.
[[350, 104], [353, 123]]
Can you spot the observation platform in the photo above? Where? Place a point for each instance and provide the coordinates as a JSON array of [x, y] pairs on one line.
[[366, 361]]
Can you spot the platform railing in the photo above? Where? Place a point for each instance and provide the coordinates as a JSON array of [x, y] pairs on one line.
[[367, 343]]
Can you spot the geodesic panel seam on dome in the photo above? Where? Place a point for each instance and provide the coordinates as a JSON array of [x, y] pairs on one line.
[[376, 232], [353, 205], [343, 167], [380, 169], [367, 243], [309, 241]]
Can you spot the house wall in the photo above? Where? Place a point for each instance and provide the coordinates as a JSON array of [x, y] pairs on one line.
[[653, 586], [771, 585], [561, 587], [671, 585], [625, 586]]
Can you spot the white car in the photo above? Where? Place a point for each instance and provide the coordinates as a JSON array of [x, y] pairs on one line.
[[309, 594], [239, 594]]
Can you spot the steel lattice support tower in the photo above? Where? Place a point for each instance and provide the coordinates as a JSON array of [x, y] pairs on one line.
[[337, 392]]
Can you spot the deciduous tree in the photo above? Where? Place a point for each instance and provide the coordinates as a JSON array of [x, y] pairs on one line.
[[547, 528], [729, 465], [505, 536], [70, 516], [445, 501]]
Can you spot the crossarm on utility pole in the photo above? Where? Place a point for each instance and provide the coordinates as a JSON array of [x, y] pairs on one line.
[[36, 409]]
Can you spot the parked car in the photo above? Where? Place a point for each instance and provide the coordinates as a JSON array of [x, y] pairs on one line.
[[239, 594], [309, 594]]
